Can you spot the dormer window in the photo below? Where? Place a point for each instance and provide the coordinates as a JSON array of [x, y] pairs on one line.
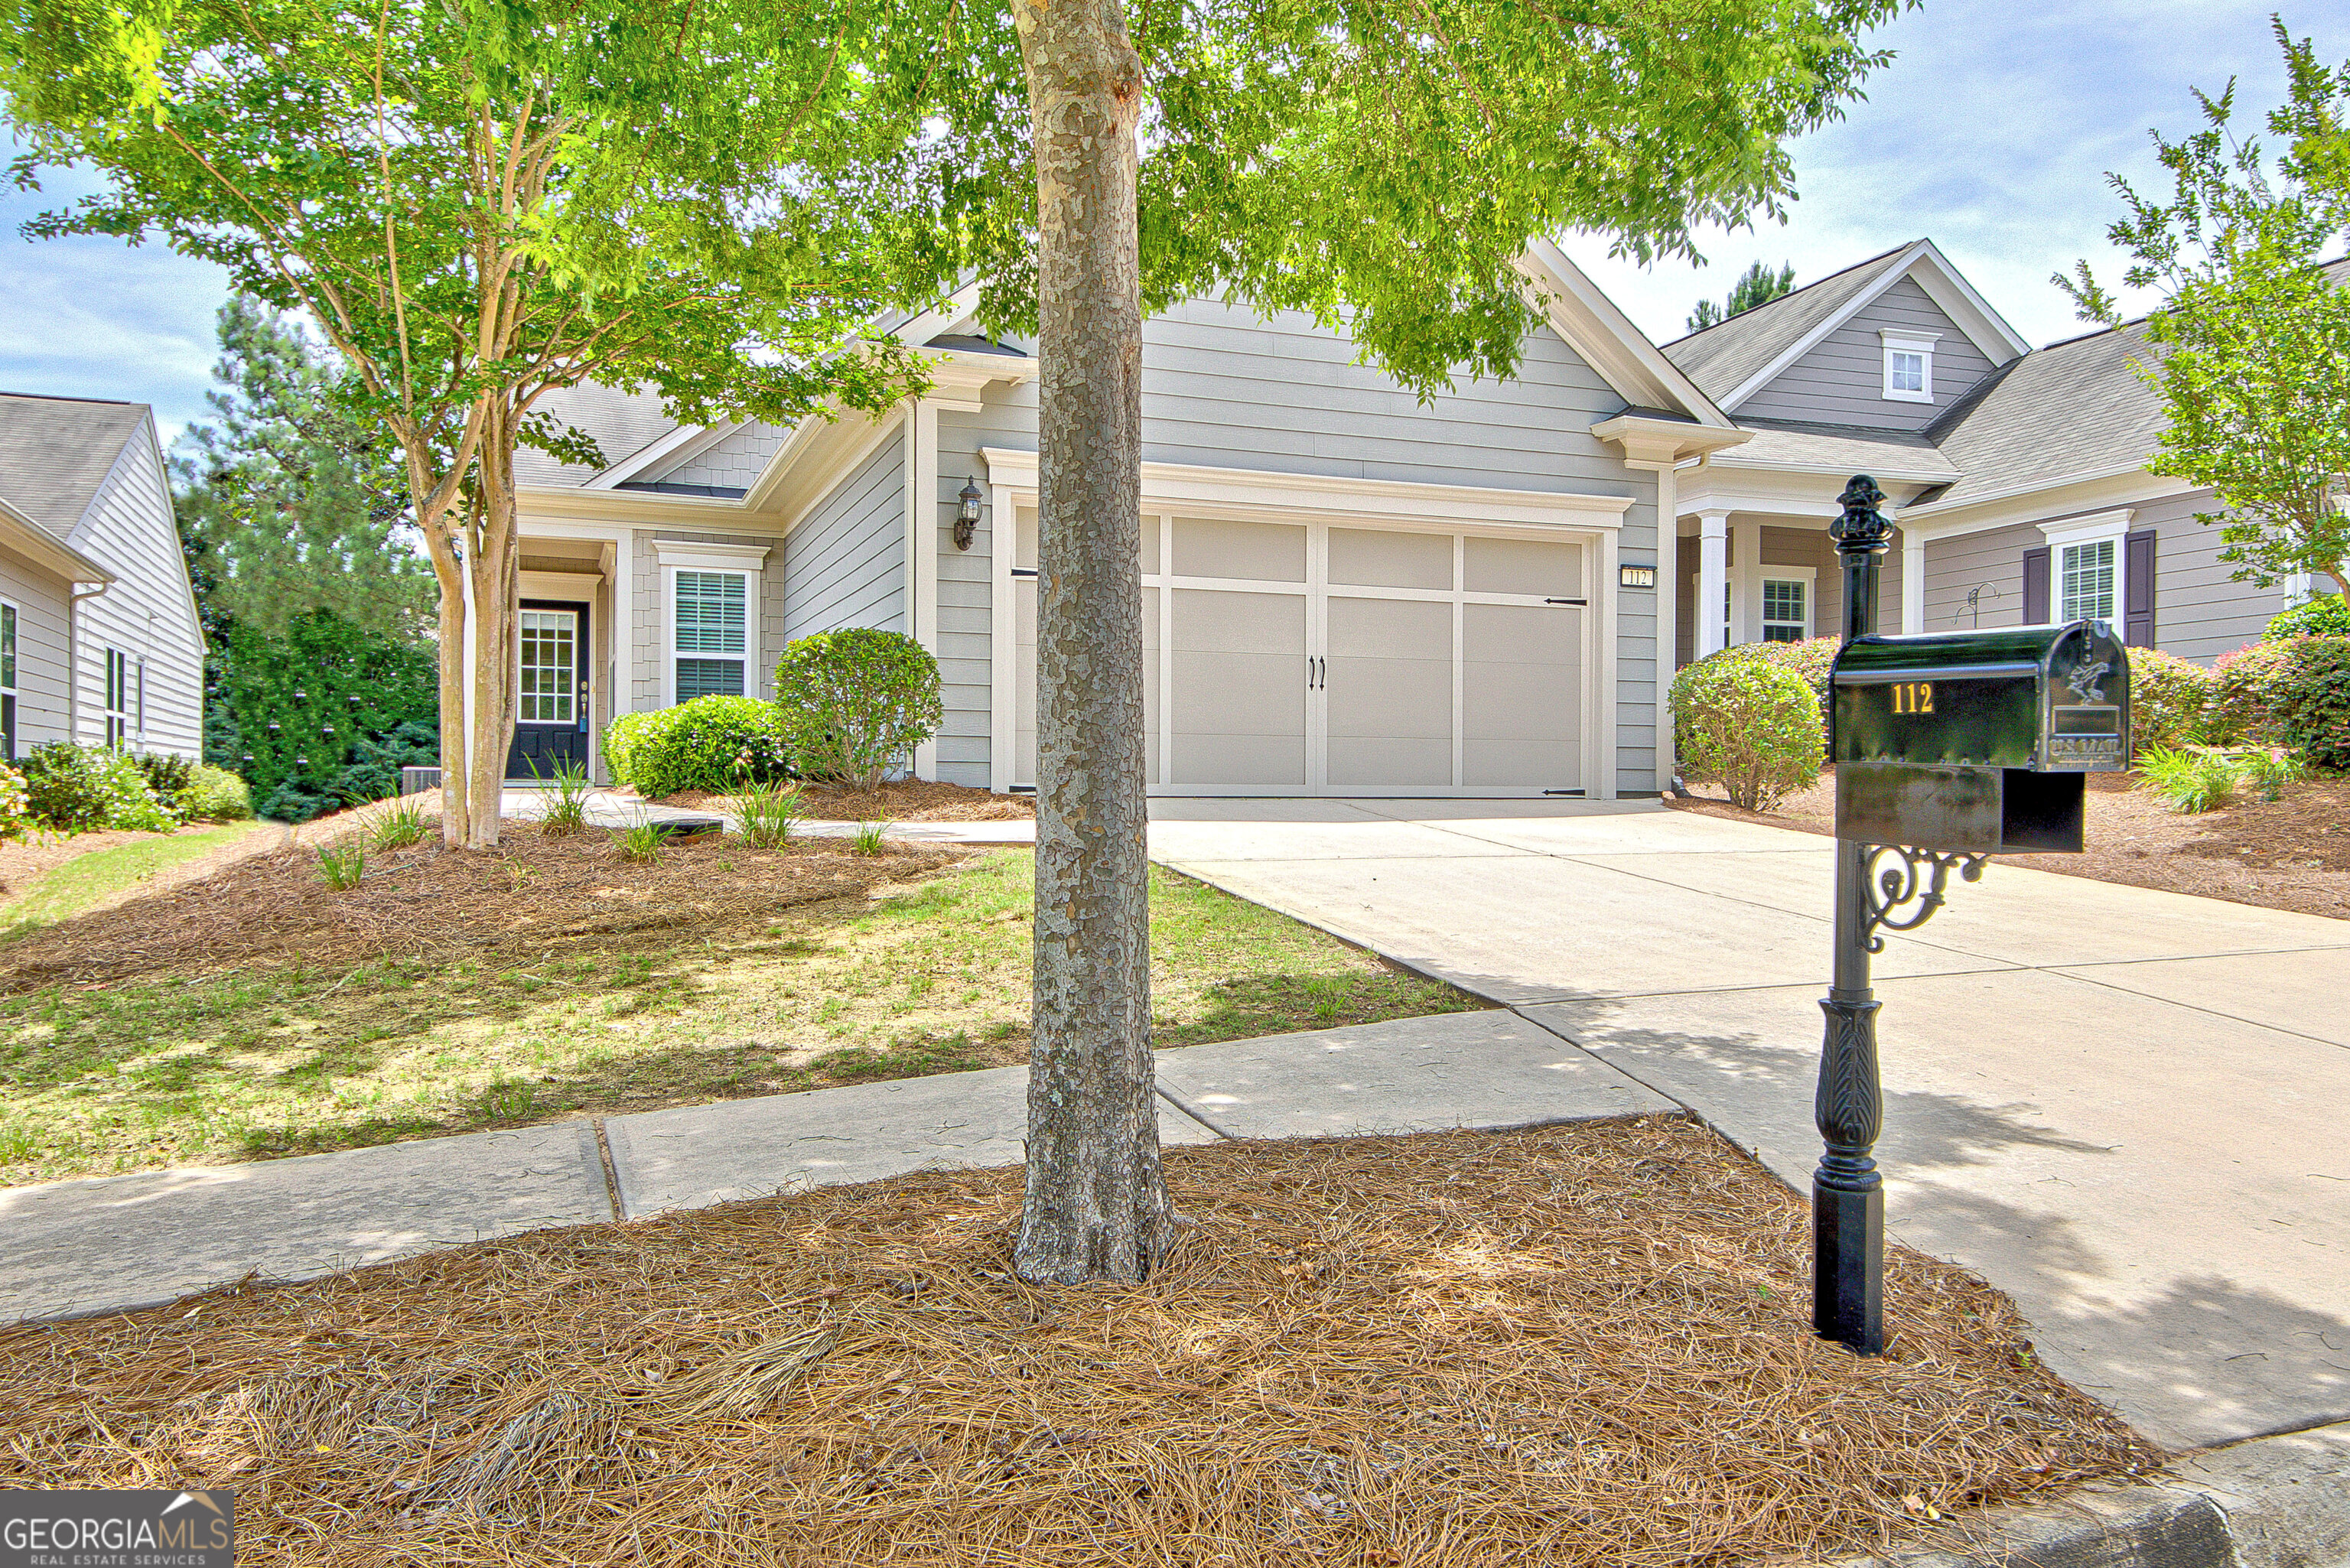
[[1910, 366]]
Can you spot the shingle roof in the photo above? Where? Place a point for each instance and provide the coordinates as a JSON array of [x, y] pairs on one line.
[[1721, 358], [1887, 454], [621, 423], [2073, 407], [56, 452]]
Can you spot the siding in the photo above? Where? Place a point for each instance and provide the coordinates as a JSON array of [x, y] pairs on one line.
[[1842, 380], [149, 613], [966, 590], [1794, 548], [650, 685], [1225, 388], [2199, 612], [733, 464], [844, 563], [42, 616]]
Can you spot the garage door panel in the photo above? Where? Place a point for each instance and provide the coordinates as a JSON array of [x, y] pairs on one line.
[[1521, 765], [1261, 552], [1384, 558], [1239, 674], [1522, 566], [1379, 629], [1522, 697], [1387, 693]]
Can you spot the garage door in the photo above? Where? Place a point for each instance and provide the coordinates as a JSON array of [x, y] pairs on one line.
[[1311, 659]]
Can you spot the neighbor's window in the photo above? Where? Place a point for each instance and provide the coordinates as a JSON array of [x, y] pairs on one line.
[[712, 621], [8, 680], [2084, 576], [118, 696], [1786, 609]]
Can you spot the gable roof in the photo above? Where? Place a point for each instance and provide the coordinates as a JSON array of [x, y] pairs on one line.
[[1618, 352], [2072, 409], [55, 453], [1723, 357]]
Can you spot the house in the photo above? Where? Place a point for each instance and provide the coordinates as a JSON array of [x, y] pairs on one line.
[[99, 637], [1350, 591]]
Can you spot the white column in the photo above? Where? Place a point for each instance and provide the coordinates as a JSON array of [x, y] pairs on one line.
[[1746, 601], [1913, 583], [1712, 578], [1669, 616], [922, 548]]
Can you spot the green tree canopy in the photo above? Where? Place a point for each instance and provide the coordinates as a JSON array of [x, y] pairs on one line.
[[2251, 340], [1758, 285], [289, 503]]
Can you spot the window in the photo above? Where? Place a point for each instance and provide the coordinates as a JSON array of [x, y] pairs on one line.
[[118, 696], [1909, 365], [548, 663], [1786, 609], [8, 680], [2085, 580], [713, 634]]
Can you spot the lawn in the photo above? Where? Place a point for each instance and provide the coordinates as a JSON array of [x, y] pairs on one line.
[[925, 969], [73, 885]]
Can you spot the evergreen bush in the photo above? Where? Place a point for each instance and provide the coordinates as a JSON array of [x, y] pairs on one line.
[[1751, 725], [2328, 615], [2170, 700], [216, 795], [856, 702], [714, 743], [2313, 700], [82, 789], [350, 706]]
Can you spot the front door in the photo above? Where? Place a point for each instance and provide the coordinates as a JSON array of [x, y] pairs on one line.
[[551, 690]]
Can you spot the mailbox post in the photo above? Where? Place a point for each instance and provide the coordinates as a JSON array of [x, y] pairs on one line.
[[1948, 748]]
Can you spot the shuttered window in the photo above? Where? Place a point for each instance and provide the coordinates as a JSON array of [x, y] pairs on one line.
[[2087, 581]]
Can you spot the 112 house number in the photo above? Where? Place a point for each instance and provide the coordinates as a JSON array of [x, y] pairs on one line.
[[1913, 697]]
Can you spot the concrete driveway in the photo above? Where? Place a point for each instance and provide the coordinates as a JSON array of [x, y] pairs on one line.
[[2127, 1109]]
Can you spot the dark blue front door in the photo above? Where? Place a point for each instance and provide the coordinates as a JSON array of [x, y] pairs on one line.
[[551, 646]]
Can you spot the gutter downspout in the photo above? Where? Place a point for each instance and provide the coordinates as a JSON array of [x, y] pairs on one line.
[[73, 641]]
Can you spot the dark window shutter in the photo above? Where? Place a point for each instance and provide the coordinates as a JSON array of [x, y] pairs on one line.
[[2036, 588], [2137, 588]]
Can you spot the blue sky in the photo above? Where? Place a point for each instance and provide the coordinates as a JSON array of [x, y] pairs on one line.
[[1990, 133]]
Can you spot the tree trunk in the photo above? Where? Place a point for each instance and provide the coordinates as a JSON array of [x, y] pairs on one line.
[[1095, 1206], [496, 574], [453, 629]]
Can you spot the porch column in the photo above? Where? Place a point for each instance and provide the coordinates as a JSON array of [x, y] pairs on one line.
[[1712, 577], [1746, 598], [1913, 583]]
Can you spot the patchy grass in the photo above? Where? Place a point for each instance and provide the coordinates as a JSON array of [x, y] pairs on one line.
[[927, 977], [80, 883]]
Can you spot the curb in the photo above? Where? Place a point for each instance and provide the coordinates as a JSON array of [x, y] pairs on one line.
[[2267, 1502]]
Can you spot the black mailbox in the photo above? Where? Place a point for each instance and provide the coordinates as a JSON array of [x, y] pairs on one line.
[[1977, 741]]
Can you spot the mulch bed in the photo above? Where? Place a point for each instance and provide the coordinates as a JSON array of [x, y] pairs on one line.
[[533, 891], [2289, 854], [915, 800], [1575, 1345]]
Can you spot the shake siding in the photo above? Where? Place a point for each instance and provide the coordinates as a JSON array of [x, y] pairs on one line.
[[844, 563], [1842, 380], [735, 464], [41, 656], [147, 612]]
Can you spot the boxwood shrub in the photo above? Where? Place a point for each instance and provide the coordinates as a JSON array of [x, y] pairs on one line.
[[1751, 725], [2328, 615], [2313, 700], [2170, 700], [856, 702], [709, 744]]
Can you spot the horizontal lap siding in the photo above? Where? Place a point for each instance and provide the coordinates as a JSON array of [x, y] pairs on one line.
[[146, 612], [1224, 387], [844, 563], [42, 712], [1842, 380], [1995, 558], [966, 590]]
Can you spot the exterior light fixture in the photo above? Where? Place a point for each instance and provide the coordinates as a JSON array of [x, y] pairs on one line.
[[1636, 577], [966, 513]]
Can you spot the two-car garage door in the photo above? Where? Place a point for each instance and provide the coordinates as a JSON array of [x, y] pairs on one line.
[[1300, 658]]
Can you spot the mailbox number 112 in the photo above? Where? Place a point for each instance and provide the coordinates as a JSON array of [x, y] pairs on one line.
[[1913, 697]]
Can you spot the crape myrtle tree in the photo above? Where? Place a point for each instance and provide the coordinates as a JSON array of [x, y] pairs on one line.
[[1380, 165], [2252, 335], [479, 201]]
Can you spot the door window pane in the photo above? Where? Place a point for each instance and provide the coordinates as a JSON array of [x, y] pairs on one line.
[[550, 658], [2087, 578]]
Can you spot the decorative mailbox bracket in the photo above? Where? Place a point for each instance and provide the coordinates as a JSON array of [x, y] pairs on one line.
[[1948, 748]]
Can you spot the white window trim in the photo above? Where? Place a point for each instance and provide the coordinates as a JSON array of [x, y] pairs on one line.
[[1807, 575], [8, 688], [1919, 343], [2073, 532], [114, 717], [676, 555]]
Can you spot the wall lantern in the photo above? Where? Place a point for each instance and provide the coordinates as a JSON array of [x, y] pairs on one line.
[[1636, 577], [966, 514]]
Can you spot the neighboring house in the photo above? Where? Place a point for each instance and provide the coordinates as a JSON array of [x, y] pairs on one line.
[[2019, 475], [1350, 591], [99, 637]]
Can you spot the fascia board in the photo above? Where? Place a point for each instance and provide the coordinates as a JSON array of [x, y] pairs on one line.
[[30, 539], [1174, 484], [943, 316], [1648, 443], [638, 507], [679, 445], [2031, 503], [1895, 269], [1949, 289], [1593, 327]]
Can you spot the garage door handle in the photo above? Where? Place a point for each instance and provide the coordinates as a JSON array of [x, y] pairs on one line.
[[1318, 673], [1567, 601]]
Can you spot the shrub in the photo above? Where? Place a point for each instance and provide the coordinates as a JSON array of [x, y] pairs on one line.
[[169, 777], [216, 795], [16, 821], [2242, 710], [349, 704], [1751, 724], [2313, 700], [709, 744], [2170, 698], [80, 789], [1814, 659], [856, 702], [2326, 617]]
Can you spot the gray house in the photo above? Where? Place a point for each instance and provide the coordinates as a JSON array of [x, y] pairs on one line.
[[1348, 591], [99, 637]]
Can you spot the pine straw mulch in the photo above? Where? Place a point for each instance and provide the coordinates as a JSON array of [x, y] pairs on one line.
[[532, 892], [1574, 1345], [909, 800]]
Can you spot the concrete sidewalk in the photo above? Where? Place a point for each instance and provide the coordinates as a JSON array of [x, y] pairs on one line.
[[2122, 1106], [611, 809], [77, 1247]]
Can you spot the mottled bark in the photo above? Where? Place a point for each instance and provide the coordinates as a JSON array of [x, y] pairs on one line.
[[1095, 1206]]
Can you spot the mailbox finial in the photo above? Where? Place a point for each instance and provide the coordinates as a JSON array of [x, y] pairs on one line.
[[1862, 526]]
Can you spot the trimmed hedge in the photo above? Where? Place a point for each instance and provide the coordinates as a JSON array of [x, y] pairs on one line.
[[2244, 696], [2170, 700], [1753, 725], [856, 702], [709, 744]]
